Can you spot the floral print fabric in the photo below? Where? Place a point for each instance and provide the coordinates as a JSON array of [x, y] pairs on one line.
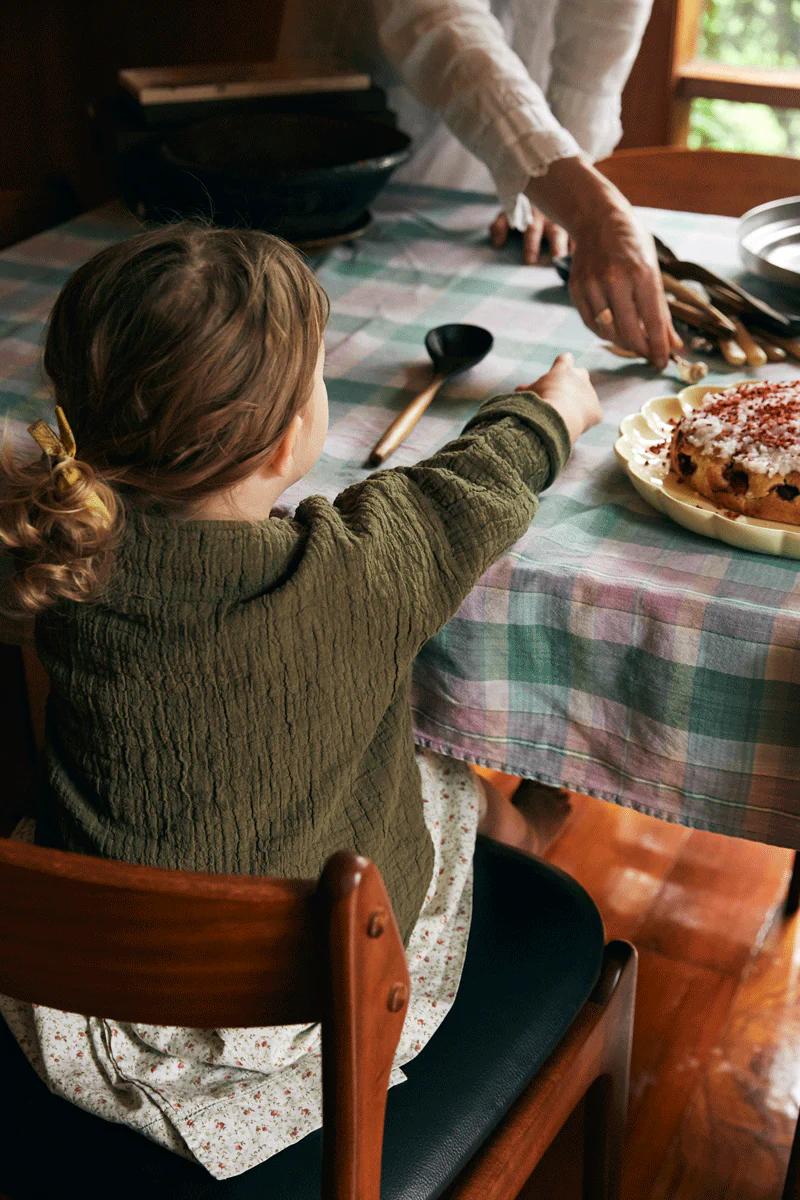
[[231, 1098]]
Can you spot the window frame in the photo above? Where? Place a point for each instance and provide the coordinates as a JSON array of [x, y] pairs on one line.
[[668, 75]]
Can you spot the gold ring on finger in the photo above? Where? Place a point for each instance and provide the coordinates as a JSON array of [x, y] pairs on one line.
[[604, 317]]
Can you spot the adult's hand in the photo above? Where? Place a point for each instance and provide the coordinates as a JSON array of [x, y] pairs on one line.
[[615, 281], [540, 228], [615, 284]]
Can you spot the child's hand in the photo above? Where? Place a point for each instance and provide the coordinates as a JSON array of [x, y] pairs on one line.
[[568, 390]]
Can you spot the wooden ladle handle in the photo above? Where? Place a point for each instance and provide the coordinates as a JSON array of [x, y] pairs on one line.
[[402, 425]]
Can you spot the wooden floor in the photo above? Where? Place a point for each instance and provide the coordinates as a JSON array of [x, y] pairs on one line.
[[716, 1058]]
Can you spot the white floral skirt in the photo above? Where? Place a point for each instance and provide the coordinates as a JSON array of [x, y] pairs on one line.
[[231, 1098]]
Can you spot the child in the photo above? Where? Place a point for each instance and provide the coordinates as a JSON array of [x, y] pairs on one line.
[[230, 689]]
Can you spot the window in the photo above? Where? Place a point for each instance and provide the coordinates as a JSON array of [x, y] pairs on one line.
[[743, 82]]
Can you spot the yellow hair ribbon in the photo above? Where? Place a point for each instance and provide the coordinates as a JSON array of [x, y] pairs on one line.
[[61, 447]]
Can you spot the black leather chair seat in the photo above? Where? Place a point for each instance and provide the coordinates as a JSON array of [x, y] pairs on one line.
[[535, 951]]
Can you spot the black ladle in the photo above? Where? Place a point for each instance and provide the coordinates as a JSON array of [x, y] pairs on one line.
[[453, 349]]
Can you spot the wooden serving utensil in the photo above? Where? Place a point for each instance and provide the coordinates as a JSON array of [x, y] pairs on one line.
[[773, 353], [730, 294], [688, 295], [755, 354], [452, 349], [732, 351], [790, 346], [701, 318]]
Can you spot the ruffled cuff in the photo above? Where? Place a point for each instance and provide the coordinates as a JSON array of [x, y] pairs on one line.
[[529, 157]]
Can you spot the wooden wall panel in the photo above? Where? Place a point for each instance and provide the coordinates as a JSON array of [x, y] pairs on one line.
[[58, 57], [652, 114]]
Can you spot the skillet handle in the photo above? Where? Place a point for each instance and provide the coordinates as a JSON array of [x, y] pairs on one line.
[[402, 425]]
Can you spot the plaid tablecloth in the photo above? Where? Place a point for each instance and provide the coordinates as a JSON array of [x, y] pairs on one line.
[[610, 651]]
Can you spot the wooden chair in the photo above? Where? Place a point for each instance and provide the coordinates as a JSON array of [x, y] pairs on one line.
[[141, 944], [709, 181]]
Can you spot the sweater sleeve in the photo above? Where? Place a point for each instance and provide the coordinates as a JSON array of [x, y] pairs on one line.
[[426, 533]]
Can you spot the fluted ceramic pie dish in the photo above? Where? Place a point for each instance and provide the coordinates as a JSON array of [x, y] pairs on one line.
[[643, 450]]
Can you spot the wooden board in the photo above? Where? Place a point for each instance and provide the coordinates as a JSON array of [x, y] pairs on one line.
[[238, 81]]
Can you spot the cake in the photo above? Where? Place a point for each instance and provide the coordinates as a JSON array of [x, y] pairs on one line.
[[741, 449]]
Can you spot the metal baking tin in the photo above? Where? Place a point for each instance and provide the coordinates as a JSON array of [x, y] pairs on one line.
[[769, 241]]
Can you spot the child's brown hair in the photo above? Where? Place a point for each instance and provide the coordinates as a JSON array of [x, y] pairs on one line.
[[179, 357]]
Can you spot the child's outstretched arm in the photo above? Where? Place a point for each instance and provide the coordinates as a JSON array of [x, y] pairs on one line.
[[426, 533]]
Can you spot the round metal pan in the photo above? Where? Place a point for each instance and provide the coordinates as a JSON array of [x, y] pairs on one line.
[[769, 241]]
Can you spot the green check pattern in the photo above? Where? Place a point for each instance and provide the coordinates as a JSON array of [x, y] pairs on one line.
[[610, 650]]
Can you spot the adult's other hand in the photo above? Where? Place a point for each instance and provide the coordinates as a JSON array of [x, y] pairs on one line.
[[541, 230]]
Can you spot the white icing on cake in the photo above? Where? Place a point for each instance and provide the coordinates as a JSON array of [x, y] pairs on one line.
[[756, 424]]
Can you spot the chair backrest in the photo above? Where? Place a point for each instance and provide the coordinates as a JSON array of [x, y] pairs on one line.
[[710, 181], [176, 948]]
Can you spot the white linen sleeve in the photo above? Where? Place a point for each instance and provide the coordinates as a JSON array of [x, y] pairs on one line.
[[593, 52], [453, 55]]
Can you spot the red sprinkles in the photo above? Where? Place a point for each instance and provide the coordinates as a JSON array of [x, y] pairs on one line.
[[760, 413]]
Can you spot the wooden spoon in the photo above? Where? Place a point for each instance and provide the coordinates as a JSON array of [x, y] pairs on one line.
[[453, 349]]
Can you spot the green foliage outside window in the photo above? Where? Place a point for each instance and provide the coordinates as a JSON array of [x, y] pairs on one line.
[[754, 33]]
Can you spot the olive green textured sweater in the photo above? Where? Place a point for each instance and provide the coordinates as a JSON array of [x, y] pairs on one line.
[[238, 699]]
